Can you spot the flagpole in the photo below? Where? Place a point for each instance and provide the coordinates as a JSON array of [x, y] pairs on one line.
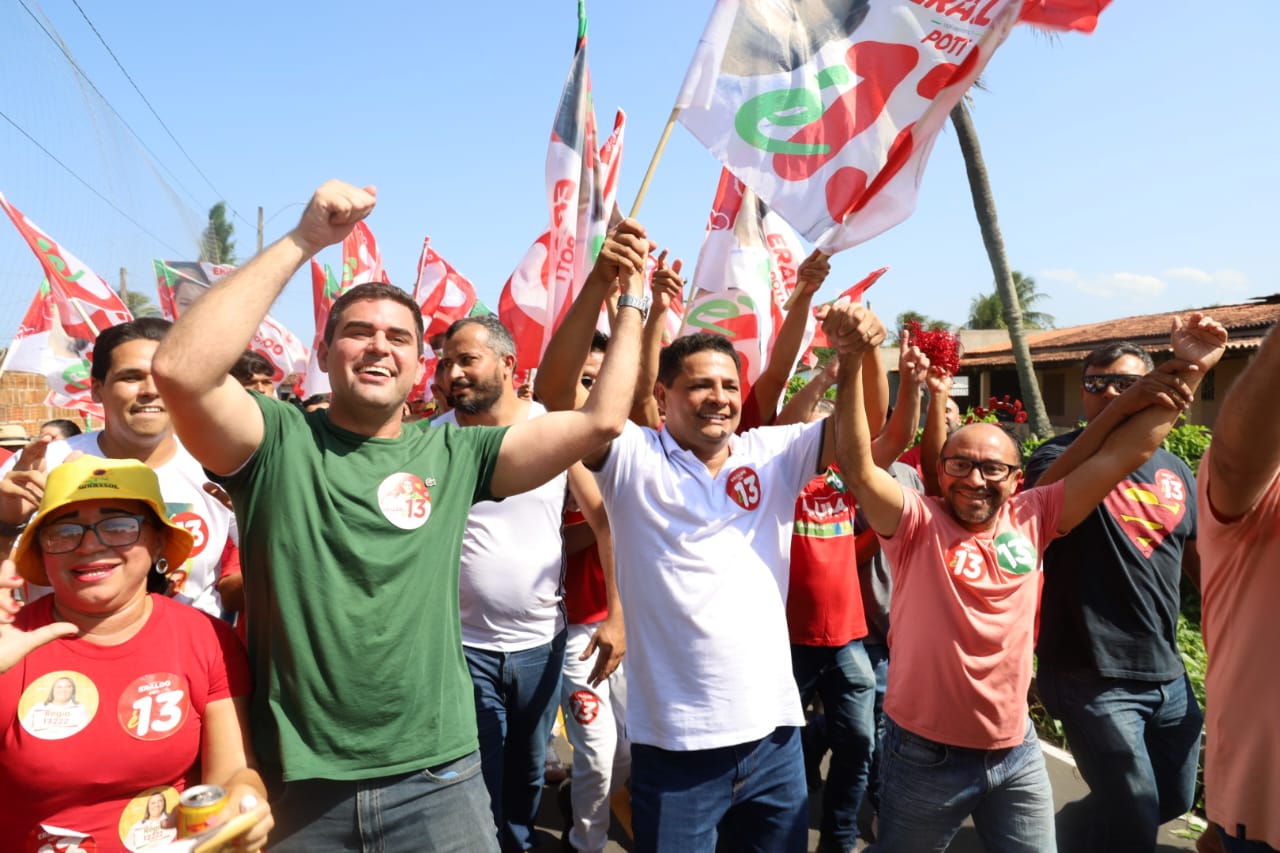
[[653, 163]]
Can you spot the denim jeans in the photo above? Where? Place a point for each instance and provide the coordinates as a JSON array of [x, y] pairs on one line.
[[754, 792], [843, 677], [442, 808], [927, 789], [1136, 744], [517, 694], [879, 656], [1239, 845]]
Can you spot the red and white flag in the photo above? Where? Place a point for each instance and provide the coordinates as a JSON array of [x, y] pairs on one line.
[[745, 272], [581, 186], [361, 258], [853, 294], [324, 290], [443, 294], [180, 283], [74, 304], [41, 345], [829, 110]]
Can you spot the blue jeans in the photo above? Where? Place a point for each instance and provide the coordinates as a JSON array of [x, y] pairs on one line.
[[442, 808], [1239, 845], [678, 799], [927, 789], [879, 657], [843, 677], [1136, 744], [517, 694]]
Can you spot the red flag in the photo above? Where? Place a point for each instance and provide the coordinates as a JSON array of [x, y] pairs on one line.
[[829, 110], [86, 303], [443, 294], [361, 259], [853, 294], [41, 345]]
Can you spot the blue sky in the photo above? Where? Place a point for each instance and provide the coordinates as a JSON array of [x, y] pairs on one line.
[[1134, 169]]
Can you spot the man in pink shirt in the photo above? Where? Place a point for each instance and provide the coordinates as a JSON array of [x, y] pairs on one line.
[[958, 740], [1239, 500]]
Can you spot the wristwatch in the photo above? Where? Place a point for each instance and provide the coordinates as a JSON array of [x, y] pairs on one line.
[[640, 303]]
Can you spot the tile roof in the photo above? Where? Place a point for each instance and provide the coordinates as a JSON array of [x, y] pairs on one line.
[[1247, 323]]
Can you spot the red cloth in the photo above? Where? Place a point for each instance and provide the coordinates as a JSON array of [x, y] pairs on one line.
[[585, 600], [824, 600]]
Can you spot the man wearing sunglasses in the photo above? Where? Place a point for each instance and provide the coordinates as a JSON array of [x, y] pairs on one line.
[[958, 741], [1109, 666]]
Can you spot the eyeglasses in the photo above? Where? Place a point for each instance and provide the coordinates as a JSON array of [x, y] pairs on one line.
[[1098, 383], [992, 470], [62, 537]]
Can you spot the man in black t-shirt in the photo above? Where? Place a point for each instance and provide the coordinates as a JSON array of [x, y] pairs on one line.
[[1109, 666]]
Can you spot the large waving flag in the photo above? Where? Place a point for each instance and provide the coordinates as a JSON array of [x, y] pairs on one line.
[[361, 258], [828, 110], [180, 283], [581, 183], [745, 272], [86, 303], [41, 345], [72, 306], [443, 294], [324, 290]]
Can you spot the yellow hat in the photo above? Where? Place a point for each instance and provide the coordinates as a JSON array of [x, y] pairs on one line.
[[91, 478]]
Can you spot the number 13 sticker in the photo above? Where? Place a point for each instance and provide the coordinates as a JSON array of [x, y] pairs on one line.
[[743, 487], [155, 705]]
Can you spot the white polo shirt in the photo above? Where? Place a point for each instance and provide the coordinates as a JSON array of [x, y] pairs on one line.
[[703, 565]]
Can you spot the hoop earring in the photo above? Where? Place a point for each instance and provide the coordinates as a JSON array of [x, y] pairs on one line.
[[161, 567]]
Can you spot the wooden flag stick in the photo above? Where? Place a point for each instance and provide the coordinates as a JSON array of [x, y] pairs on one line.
[[653, 163]]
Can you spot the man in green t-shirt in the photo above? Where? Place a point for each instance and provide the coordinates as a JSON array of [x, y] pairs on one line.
[[351, 525]]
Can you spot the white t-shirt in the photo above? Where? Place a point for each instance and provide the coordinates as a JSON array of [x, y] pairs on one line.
[[512, 571], [703, 565], [182, 486]]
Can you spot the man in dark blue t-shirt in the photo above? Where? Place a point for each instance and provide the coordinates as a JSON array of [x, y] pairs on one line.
[[1109, 666]]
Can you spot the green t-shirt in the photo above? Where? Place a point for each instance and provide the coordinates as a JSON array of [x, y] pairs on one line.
[[350, 549]]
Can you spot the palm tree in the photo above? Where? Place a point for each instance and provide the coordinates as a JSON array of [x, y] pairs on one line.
[[984, 206], [138, 303], [987, 312]]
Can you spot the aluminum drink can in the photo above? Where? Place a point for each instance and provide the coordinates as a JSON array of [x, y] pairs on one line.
[[197, 805]]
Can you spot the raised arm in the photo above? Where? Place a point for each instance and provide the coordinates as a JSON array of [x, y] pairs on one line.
[[878, 495], [896, 437], [556, 384], [1198, 344], [536, 450], [667, 286], [773, 378], [217, 420], [1245, 457], [800, 406], [935, 428]]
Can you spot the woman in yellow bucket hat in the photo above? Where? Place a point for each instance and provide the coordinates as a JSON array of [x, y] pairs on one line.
[[111, 693]]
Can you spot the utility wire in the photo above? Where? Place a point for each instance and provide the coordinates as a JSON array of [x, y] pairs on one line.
[[66, 53], [120, 65], [70, 171]]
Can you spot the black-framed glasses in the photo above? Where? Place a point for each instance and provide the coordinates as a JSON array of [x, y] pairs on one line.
[[1098, 383], [62, 537], [992, 470]]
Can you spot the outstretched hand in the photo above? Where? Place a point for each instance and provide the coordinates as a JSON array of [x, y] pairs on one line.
[[1198, 339], [333, 211], [913, 364], [15, 644], [667, 284], [23, 487]]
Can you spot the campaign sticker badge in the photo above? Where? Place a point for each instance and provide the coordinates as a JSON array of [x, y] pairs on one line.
[[58, 704], [197, 527], [150, 820], [585, 706], [154, 706], [404, 500], [1015, 554], [743, 486]]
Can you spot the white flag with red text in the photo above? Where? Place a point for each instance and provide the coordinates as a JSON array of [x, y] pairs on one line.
[[828, 110]]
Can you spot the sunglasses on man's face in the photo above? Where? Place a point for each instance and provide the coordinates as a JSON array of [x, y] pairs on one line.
[[1098, 383]]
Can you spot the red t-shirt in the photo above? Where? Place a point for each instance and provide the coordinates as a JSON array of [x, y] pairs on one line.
[[585, 601], [91, 735], [824, 600]]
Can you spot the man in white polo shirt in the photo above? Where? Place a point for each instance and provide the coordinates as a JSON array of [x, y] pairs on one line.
[[701, 523]]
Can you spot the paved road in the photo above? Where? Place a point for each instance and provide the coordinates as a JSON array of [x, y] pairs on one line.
[[1068, 789]]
